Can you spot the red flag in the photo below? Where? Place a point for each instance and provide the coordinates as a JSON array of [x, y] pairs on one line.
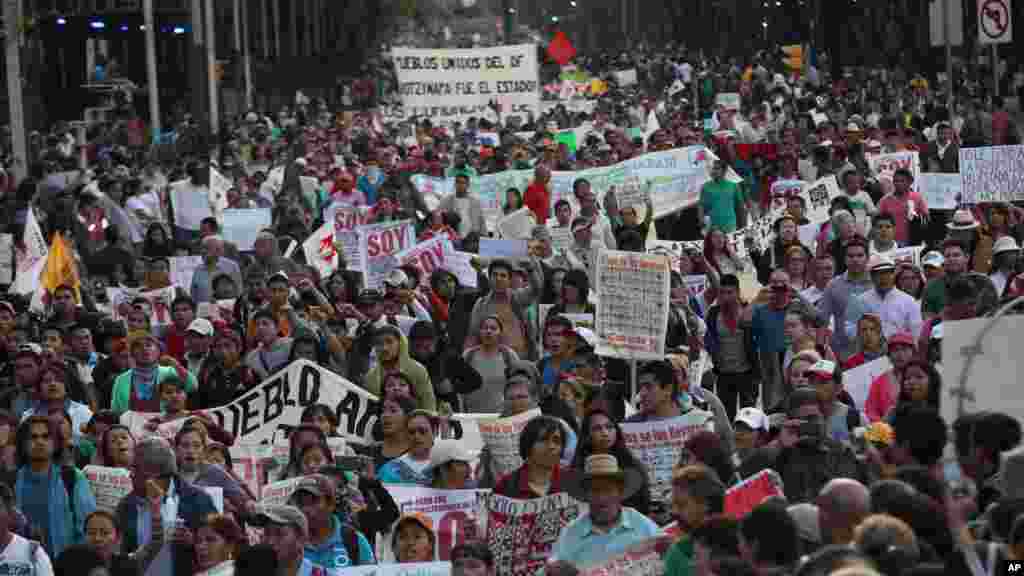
[[560, 49]]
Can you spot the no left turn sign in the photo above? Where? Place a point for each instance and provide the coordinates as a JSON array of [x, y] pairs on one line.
[[994, 22]]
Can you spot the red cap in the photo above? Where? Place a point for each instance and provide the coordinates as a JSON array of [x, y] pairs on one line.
[[903, 338]]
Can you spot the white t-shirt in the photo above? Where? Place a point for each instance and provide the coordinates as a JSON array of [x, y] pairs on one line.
[[16, 559]]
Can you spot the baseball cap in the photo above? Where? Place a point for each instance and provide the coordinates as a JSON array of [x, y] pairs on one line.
[[201, 326], [317, 485], [417, 517], [933, 258], [881, 263], [754, 418], [281, 515], [903, 338]]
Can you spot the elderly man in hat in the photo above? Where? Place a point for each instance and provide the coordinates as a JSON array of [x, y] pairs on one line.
[[608, 528]]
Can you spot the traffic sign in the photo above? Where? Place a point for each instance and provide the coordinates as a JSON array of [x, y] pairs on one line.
[[994, 22]]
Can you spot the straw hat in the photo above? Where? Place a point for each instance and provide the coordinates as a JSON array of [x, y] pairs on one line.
[[604, 466], [962, 220]]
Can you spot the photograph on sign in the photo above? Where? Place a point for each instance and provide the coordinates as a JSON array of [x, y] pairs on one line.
[[995, 24]]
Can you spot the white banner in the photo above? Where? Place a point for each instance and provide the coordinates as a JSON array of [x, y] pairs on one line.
[[109, 485], [378, 246], [675, 178], [940, 191], [455, 84], [458, 263], [321, 252], [633, 289], [159, 303], [190, 205], [880, 164], [241, 227], [427, 256], [992, 174], [30, 258], [457, 516], [658, 444], [271, 409]]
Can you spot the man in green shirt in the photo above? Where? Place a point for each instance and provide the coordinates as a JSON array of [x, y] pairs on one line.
[[719, 199], [697, 493], [933, 300]]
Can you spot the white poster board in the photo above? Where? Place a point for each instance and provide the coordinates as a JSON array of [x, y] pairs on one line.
[[633, 289]]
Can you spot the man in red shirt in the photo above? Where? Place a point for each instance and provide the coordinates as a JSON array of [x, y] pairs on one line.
[[538, 194], [904, 205]]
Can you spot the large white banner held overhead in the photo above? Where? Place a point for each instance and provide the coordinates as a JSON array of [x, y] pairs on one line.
[[455, 84]]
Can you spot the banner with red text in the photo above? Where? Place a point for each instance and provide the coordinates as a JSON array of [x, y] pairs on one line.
[[522, 533]]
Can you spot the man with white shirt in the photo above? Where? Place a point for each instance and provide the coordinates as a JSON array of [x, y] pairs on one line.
[[18, 555], [897, 309], [601, 228]]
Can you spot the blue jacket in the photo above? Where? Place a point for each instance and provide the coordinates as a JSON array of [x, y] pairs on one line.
[[713, 345]]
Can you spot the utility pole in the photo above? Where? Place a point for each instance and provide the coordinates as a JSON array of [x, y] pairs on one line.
[[946, 32], [211, 68], [197, 63], [151, 76], [12, 46], [246, 59]]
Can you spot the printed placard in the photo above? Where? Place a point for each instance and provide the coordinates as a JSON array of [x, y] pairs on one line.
[[658, 444], [646, 558], [887, 164], [458, 263], [501, 436], [378, 246], [454, 84], [941, 191], [992, 174], [109, 485], [818, 196], [634, 293], [457, 516], [278, 493], [522, 533], [159, 303], [751, 492], [427, 256]]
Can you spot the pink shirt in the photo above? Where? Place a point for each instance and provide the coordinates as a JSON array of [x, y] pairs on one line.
[[882, 397], [897, 206]]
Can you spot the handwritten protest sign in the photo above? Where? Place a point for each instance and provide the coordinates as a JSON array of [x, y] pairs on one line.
[[940, 191], [857, 381], [271, 409], [109, 485], [451, 511], [378, 245], [522, 533], [182, 268], [751, 492], [427, 256], [243, 226], [501, 436], [818, 196], [278, 493], [992, 173], [455, 84], [502, 248], [645, 558], [159, 302], [346, 219], [634, 292], [517, 224], [674, 178], [657, 444]]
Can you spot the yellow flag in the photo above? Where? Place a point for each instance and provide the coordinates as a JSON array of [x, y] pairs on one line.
[[60, 268]]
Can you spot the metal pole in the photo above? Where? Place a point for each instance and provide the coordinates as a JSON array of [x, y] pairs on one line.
[[632, 379], [265, 30], [211, 63], [14, 90], [277, 27], [946, 32], [151, 75], [294, 29], [236, 12], [995, 70], [197, 59], [246, 57]]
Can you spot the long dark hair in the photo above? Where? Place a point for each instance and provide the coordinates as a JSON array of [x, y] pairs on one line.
[[618, 448], [23, 435], [934, 383]]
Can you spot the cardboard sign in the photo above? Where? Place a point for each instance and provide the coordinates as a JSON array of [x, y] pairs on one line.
[[634, 292], [378, 246], [750, 493]]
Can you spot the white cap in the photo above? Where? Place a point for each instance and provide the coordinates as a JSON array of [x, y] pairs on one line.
[[933, 258], [881, 262], [587, 335], [445, 451], [201, 326], [753, 418]]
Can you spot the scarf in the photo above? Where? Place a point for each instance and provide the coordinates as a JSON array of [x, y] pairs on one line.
[[61, 533], [143, 380]]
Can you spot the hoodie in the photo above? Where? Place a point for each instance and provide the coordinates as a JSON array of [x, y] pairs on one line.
[[422, 387]]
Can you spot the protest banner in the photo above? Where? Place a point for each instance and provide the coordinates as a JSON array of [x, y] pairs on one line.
[[136, 422], [182, 268], [741, 498], [634, 293], [278, 493], [346, 219], [243, 226], [516, 225], [905, 255], [272, 409], [6, 258], [657, 444], [248, 462], [466, 429], [857, 381], [674, 177], [451, 85], [561, 237], [992, 174], [940, 191], [458, 263], [887, 164], [109, 485], [522, 533], [321, 251], [426, 256], [409, 569], [190, 204], [378, 245], [503, 248], [501, 437], [728, 100], [781, 191], [625, 77], [818, 197], [159, 303], [218, 194], [454, 513], [646, 558], [30, 257]]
